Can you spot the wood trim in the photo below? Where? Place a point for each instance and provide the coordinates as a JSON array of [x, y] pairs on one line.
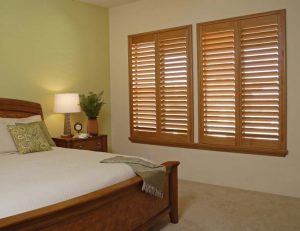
[[215, 147], [130, 86], [191, 85], [200, 83], [159, 31], [173, 189], [244, 17], [283, 58]]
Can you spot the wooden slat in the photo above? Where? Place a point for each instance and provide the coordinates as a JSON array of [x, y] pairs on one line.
[[259, 41], [217, 35], [259, 35], [214, 46], [259, 29], [219, 40], [261, 74], [268, 51], [259, 57], [207, 56], [260, 46]]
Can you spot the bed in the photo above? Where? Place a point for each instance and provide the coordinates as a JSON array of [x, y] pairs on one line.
[[117, 203]]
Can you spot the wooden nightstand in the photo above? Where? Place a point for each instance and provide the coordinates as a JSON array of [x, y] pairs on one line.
[[95, 143]]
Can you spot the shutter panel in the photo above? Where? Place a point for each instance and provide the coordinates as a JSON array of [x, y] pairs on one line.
[[175, 84], [160, 76], [142, 84], [242, 100], [261, 81], [217, 84]]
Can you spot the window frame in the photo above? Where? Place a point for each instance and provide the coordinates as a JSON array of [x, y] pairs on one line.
[[168, 140], [282, 150]]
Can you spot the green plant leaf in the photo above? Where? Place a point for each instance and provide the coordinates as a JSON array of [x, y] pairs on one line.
[[91, 104]]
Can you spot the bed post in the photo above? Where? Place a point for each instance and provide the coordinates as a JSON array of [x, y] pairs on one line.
[[173, 190]]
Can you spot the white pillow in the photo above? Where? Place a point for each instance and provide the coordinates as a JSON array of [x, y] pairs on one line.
[[27, 120], [7, 144]]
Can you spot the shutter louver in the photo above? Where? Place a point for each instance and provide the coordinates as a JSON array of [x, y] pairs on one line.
[[217, 84], [260, 79], [143, 84], [174, 82]]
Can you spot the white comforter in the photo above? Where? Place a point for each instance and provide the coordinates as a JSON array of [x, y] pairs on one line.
[[36, 180]]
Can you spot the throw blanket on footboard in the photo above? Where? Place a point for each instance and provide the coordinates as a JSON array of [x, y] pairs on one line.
[[153, 175]]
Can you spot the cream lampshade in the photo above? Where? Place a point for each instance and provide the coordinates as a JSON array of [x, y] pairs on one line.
[[67, 103]]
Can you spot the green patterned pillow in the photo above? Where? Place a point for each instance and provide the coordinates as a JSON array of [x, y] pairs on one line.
[[44, 130], [29, 138]]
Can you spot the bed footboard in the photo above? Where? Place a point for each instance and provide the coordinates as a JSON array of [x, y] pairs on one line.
[[119, 207]]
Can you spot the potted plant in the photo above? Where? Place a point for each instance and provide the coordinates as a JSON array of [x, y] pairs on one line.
[[91, 104]]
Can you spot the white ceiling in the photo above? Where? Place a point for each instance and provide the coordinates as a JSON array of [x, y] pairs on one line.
[[108, 3]]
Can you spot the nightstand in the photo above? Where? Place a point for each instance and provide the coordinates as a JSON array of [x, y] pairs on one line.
[[95, 143]]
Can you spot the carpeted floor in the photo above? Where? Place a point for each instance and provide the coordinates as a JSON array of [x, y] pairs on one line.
[[204, 207]]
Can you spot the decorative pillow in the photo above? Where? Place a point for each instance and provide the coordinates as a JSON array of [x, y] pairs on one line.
[[7, 144], [44, 130], [29, 138], [12, 121]]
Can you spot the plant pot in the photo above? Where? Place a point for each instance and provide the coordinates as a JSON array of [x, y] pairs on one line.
[[92, 127]]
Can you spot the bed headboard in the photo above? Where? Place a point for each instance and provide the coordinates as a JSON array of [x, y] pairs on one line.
[[13, 108]]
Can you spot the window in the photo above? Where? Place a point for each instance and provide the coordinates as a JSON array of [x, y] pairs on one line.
[[242, 84], [160, 78]]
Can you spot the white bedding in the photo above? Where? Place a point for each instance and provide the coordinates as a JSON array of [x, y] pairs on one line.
[[35, 180]]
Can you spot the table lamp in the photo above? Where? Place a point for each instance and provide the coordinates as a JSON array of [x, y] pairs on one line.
[[67, 103]]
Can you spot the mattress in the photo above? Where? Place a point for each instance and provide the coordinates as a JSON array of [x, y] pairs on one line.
[[36, 180]]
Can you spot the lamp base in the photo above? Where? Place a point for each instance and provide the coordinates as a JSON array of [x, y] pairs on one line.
[[67, 126]]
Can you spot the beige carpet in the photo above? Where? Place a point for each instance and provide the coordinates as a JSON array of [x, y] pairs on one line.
[[204, 207]]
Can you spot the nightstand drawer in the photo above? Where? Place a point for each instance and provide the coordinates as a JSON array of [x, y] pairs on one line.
[[95, 143], [91, 144]]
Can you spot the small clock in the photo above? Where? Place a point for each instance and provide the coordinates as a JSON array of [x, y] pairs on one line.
[[78, 127]]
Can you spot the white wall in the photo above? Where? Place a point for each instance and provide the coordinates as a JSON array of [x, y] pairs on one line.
[[261, 173]]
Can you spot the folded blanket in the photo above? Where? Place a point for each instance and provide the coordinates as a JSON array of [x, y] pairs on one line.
[[153, 175]]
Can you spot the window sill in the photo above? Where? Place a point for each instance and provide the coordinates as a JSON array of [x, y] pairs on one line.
[[223, 148]]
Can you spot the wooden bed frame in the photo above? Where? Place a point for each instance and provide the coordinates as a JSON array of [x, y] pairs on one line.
[[119, 207]]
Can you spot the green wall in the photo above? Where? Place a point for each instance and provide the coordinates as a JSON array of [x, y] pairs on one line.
[[49, 46]]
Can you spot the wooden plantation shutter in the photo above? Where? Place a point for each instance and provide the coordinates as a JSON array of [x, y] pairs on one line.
[[143, 87], [242, 101], [217, 79], [160, 73], [175, 84], [262, 80]]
